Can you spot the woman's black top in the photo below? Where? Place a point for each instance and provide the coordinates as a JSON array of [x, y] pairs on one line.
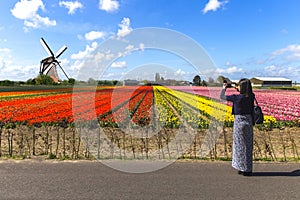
[[241, 103]]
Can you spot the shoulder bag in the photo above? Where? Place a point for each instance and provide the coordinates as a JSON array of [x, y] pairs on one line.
[[258, 116]]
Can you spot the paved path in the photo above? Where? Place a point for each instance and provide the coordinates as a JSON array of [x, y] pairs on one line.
[[181, 180]]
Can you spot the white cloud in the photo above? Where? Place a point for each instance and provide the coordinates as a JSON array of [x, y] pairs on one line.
[[110, 75], [125, 28], [291, 52], [179, 72], [270, 68], [76, 66], [120, 64], [83, 54], [273, 70], [93, 35], [71, 5], [228, 63], [86, 68], [129, 48], [284, 31], [229, 70], [4, 51], [104, 55], [142, 46], [5, 57], [213, 5], [284, 62], [27, 10], [127, 51], [109, 5], [89, 66], [18, 72]]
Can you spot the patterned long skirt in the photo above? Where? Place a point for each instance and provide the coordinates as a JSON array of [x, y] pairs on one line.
[[242, 143]]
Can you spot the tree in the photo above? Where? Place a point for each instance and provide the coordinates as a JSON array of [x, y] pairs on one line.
[[197, 80], [221, 78], [211, 80], [44, 80], [7, 83], [64, 82], [72, 81], [30, 81], [92, 81], [204, 83]]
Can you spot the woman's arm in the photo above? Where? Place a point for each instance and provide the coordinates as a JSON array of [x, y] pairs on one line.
[[226, 97], [222, 95]]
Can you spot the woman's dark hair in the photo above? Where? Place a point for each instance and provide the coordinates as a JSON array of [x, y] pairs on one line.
[[245, 87]]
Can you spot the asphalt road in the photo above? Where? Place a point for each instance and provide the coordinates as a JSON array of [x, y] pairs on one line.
[[180, 180]]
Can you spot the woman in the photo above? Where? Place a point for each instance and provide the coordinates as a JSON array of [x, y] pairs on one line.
[[242, 110]]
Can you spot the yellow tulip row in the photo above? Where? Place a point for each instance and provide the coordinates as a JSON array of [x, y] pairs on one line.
[[217, 110], [207, 108], [166, 116], [164, 98]]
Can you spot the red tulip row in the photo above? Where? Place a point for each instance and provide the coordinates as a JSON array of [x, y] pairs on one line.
[[133, 108], [115, 104], [30, 93], [29, 109], [144, 113]]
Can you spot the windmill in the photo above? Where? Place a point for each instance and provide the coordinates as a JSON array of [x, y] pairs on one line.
[[49, 65]]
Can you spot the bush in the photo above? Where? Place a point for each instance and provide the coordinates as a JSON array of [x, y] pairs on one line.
[[44, 80], [283, 88]]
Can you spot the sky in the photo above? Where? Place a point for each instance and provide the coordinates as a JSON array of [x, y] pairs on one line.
[[242, 38]]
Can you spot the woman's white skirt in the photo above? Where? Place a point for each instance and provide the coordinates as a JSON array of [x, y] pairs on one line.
[[242, 143]]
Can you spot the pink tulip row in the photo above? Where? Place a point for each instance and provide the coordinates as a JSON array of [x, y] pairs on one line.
[[283, 105]]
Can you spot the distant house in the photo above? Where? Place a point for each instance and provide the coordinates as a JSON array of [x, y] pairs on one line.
[[130, 82], [271, 81]]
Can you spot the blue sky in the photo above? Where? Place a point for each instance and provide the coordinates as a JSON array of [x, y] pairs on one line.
[[244, 38]]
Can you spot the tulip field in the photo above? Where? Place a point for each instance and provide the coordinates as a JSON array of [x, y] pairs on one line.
[[281, 105], [45, 122]]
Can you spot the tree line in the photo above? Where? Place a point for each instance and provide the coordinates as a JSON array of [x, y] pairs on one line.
[[47, 80], [197, 81]]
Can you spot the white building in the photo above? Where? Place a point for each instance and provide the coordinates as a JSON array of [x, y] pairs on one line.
[[271, 81]]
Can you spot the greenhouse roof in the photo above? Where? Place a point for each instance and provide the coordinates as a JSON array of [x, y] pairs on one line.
[[272, 78]]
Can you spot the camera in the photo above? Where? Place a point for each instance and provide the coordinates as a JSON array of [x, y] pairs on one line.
[[230, 85]]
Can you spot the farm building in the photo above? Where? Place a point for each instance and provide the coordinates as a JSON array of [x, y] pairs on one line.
[[271, 81]]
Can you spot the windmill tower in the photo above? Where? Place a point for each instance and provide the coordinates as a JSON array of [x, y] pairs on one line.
[[49, 65]]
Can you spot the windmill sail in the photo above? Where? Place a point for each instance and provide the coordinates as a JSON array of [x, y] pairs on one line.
[[60, 51], [46, 47]]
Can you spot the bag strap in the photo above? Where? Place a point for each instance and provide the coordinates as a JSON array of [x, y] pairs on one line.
[[255, 100]]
